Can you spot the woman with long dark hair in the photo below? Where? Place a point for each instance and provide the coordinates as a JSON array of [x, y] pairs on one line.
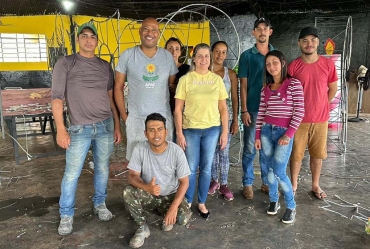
[[221, 163], [280, 112], [174, 46]]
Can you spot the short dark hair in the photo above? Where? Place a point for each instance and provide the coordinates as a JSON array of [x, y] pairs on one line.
[[219, 42], [284, 71], [173, 39], [156, 117]]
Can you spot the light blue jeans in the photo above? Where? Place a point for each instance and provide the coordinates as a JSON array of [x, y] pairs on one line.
[[277, 157], [221, 161], [100, 136], [200, 149], [249, 152]]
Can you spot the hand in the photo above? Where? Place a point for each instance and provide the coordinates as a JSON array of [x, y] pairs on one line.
[[284, 140], [117, 136], [153, 188], [223, 140], [63, 139], [180, 140], [246, 118], [257, 144], [171, 216], [234, 128]]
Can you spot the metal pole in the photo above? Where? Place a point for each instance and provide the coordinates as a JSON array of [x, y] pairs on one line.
[[72, 32], [118, 28]]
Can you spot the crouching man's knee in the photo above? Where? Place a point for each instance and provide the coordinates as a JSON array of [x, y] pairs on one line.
[[129, 193], [184, 215]]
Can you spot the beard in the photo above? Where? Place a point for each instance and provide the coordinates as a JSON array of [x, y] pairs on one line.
[[262, 39], [157, 144], [308, 53]]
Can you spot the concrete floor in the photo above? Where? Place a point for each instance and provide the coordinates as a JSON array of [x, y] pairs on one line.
[[30, 192]]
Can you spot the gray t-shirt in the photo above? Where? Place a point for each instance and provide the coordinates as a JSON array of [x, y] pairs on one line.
[[147, 81], [83, 83], [167, 167]]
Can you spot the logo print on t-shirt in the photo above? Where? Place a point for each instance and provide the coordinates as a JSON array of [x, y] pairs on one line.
[[150, 75]]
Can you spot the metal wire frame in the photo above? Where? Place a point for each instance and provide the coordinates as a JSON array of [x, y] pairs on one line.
[[341, 27]]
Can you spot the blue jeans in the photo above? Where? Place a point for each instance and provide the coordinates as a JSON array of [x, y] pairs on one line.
[[277, 157], [249, 152], [221, 161], [100, 135], [200, 149]]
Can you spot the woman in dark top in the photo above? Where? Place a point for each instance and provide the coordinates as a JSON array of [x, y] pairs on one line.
[[173, 45]]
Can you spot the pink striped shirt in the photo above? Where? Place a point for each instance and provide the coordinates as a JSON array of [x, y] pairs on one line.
[[283, 107]]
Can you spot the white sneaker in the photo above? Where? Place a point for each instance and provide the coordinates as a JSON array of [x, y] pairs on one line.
[[65, 225], [103, 213]]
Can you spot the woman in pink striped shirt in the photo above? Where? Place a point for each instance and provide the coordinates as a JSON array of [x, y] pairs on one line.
[[280, 112]]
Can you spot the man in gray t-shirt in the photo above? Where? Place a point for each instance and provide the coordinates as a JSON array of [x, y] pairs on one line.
[[158, 177], [149, 71], [85, 82]]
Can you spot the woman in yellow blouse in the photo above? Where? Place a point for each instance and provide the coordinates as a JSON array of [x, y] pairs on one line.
[[200, 109]]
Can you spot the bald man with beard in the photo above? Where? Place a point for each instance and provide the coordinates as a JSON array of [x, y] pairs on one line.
[[149, 71]]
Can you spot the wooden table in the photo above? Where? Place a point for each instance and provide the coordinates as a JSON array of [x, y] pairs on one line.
[[28, 103]]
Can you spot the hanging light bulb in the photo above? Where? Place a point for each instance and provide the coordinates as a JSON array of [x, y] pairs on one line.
[[68, 4]]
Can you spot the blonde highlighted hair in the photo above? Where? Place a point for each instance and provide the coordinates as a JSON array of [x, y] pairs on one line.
[[195, 51]]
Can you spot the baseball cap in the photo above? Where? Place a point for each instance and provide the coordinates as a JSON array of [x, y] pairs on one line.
[[308, 31], [262, 20], [87, 25]]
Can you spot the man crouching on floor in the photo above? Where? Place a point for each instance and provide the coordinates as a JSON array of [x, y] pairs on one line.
[[158, 177]]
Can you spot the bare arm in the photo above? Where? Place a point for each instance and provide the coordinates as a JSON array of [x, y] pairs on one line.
[[135, 180], [117, 125], [234, 101], [222, 107], [63, 139], [171, 83], [178, 122], [243, 101], [260, 117], [118, 94], [332, 90], [171, 214]]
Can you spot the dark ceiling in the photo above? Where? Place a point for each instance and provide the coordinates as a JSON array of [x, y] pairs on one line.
[[140, 9]]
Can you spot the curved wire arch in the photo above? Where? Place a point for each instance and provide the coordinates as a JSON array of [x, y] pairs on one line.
[[182, 10]]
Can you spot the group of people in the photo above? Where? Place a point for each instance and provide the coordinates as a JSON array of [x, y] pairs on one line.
[[288, 115], [180, 119]]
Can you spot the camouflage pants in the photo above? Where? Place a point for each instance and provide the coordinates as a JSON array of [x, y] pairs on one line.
[[138, 202]]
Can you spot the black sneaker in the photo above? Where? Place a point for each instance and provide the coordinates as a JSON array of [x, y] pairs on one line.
[[289, 216], [274, 207]]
